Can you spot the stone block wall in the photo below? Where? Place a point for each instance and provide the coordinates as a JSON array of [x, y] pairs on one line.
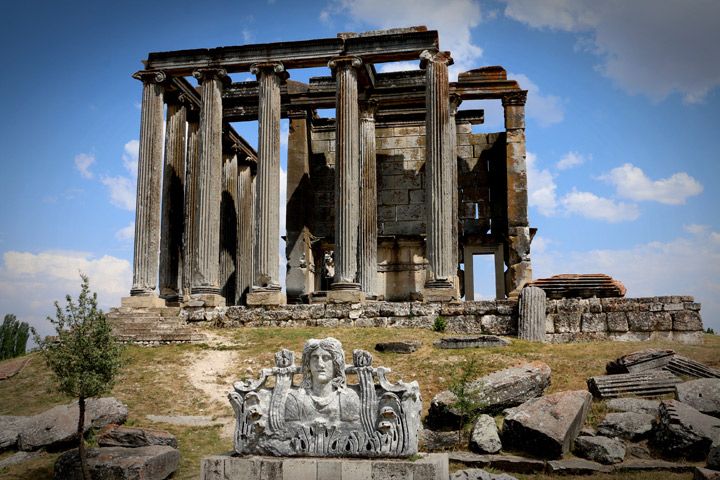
[[624, 319]]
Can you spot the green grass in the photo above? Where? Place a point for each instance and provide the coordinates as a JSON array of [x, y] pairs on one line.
[[153, 380]]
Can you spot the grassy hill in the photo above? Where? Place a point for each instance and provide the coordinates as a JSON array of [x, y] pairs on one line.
[[193, 379]]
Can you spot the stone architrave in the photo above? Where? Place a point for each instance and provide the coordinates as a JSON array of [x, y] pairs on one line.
[[147, 217], [367, 237], [206, 244], [438, 178], [173, 207], [325, 416], [245, 231], [347, 173], [192, 160], [266, 284], [519, 268]]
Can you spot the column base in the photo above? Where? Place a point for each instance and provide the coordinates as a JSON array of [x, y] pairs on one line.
[[205, 300], [345, 296], [440, 291], [258, 297], [142, 301]]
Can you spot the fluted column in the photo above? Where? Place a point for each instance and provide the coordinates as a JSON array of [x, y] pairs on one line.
[[147, 207], [347, 169], [267, 206], [171, 226], [453, 105], [244, 231], [208, 187], [367, 236], [438, 172], [192, 160], [228, 226], [519, 270]]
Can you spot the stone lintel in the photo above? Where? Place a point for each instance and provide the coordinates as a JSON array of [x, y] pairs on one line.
[[430, 466], [142, 301], [258, 297]]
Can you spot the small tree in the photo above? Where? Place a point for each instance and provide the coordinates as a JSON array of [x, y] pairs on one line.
[[13, 337], [84, 356]]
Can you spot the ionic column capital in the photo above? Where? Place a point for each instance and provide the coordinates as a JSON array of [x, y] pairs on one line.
[[344, 63], [517, 98], [211, 73], [368, 109], [297, 113], [435, 56], [454, 103], [150, 76], [269, 67]]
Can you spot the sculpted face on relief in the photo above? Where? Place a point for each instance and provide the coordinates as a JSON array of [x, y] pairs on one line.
[[324, 415]]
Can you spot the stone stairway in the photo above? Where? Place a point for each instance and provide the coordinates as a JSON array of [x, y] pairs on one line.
[[152, 326]]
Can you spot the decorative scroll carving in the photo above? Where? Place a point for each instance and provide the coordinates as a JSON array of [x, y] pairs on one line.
[[325, 415], [515, 98], [150, 76]]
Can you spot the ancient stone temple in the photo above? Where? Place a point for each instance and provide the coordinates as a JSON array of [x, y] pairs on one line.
[[384, 201]]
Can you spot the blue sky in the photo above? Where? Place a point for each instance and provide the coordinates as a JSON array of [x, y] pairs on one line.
[[623, 113]]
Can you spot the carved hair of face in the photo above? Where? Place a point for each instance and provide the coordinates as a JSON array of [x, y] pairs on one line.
[[323, 361]]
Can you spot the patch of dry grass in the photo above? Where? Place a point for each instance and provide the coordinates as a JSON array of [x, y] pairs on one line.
[[155, 380]]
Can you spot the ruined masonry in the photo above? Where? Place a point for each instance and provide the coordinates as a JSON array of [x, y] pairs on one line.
[[388, 201]]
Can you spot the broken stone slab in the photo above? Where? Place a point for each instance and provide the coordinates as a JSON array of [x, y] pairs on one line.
[[548, 425], [155, 462], [628, 425], [401, 346], [680, 365], [702, 394], [479, 474], [636, 405], [650, 383], [438, 441], [57, 427], [680, 430], [133, 437], [484, 437], [506, 463], [10, 427], [19, 457], [576, 466], [185, 420], [651, 465], [700, 473], [713, 458], [640, 361], [600, 449], [494, 392], [475, 341]]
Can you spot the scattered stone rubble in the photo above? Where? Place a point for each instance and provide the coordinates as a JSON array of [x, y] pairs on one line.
[[123, 453]]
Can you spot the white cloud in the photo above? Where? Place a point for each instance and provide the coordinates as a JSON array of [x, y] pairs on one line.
[[398, 66], [454, 20], [31, 282], [126, 233], [589, 205], [541, 187], [646, 47], [122, 192], [130, 157], [684, 266], [631, 182], [570, 160], [83, 161], [696, 229], [546, 110]]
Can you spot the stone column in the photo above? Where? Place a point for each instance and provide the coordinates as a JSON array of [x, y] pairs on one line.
[[266, 288], [206, 242], [519, 270], [300, 265], [245, 231], [367, 236], [453, 105], [173, 186], [347, 169], [439, 285], [147, 207], [228, 227], [192, 160]]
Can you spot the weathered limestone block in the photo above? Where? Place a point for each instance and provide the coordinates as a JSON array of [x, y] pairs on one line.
[[680, 430], [10, 428], [686, 321], [576, 466], [600, 449], [548, 425], [617, 322], [705, 474], [702, 394], [401, 346], [636, 405], [531, 320], [156, 462], [593, 322], [649, 321], [628, 425], [132, 437], [478, 474], [484, 437], [440, 440], [325, 416]]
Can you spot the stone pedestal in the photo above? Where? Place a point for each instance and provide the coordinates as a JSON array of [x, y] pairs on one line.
[[142, 301], [258, 297], [205, 300], [431, 466], [441, 294], [345, 296]]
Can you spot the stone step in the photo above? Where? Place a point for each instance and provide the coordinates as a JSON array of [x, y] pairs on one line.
[[651, 383]]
